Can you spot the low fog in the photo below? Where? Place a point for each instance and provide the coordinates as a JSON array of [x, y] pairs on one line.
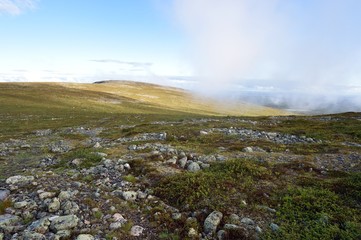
[[303, 55]]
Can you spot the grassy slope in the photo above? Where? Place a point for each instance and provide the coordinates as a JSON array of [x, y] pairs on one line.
[[175, 99], [28, 106]]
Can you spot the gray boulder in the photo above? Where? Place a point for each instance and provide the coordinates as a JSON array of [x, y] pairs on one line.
[[9, 220], [4, 194], [63, 223], [54, 205], [212, 221], [193, 167], [39, 226], [19, 180], [33, 236]]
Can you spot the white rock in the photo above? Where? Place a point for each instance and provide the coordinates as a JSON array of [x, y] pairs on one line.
[[136, 231]]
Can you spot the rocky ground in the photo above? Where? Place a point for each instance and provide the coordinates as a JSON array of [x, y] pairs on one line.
[[101, 183]]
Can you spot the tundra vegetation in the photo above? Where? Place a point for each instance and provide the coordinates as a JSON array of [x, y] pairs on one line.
[[123, 160]]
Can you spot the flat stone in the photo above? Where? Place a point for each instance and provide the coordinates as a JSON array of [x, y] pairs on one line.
[[33, 236], [85, 237], [64, 223], [247, 221], [45, 195], [19, 180], [9, 220]]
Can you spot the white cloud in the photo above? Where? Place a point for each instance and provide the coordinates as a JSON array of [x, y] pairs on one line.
[[16, 7]]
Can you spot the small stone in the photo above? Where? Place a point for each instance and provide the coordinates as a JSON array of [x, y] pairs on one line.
[[234, 219], [212, 221], [4, 193], [136, 231], [247, 150], [247, 221], [85, 237], [258, 229], [117, 217], [205, 165], [126, 166], [141, 195], [129, 195], [63, 223], [176, 215], [274, 227], [22, 204], [172, 161], [97, 145], [64, 195], [62, 234], [33, 236], [182, 162], [76, 162], [203, 132], [221, 235], [45, 195], [115, 225], [193, 167], [132, 147], [25, 146], [54, 205], [192, 233]]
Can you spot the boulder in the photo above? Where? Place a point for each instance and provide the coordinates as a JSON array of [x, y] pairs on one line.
[[193, 167], [63, 223], [54, 205], [19, 180], [4, 194], [9, 220], [39, 226], [212, 221]]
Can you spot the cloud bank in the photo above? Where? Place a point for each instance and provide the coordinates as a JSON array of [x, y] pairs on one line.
[[309, 48], [16, 7]]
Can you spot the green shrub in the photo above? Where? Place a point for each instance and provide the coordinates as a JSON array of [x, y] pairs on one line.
[[315, 213]]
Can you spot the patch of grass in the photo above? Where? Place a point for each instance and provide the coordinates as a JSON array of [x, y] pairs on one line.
[[349, 186], [168, 236], [98, 214], [315, 213], [87, 155], [4, 205], [221, 187], [130, 178], [127, 226]]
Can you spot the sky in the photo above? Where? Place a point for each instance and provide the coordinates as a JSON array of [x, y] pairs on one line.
[[298, 51]]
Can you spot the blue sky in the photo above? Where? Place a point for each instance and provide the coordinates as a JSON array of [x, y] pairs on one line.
[[65, 36], [299, 46]]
